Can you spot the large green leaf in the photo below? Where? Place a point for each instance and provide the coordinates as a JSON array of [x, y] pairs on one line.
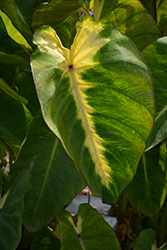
[[147, 191], [54, 12], [155, 56], [90, 231], [147, 240], [130, 18], [15, 119], [55, 179], [11, 213], [10, 8], [98, 99]]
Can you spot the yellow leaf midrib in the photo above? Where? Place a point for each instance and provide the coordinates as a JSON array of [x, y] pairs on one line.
[[92, 141]]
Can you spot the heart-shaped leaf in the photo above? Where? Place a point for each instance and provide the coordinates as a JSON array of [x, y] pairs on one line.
[[90, 231], [98, 99]]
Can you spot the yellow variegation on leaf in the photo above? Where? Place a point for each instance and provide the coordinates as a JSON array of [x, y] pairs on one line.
[[98, 99]]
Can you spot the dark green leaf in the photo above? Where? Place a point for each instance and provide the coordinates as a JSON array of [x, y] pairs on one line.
[[26, 88], [15, 119], [67, 30], [6, 72], [147, 240], [162, 16], [147, 191], [11, 214], [155, 56], [11, 53], [130, 18], [54, 12], [91, 231], [45, 240], [55, 179]]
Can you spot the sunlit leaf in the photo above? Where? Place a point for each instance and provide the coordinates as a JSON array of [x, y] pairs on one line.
[[147, 191], [10, 8], [98, 99], [11, 213], [55, 179], [54, 12], [14, 33], [90, 231], [130, 18], [147, 240], [155, 56]]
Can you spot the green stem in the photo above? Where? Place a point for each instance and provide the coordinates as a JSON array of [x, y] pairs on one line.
[[153, 9]]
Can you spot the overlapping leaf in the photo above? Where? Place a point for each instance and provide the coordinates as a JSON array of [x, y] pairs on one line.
[[130, 18], [13, 127], [147, 191], [11, 53], [162, 16], [98, 99], [90, 231], [45, 240], [156, 58], [11, 213], [147, 240], [54, 12], [10, 8], [55, 179], [26, 88]]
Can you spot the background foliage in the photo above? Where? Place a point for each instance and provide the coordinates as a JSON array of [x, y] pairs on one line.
[[83, 102]]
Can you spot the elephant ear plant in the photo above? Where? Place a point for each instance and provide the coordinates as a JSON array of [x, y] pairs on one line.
[[83, 103]]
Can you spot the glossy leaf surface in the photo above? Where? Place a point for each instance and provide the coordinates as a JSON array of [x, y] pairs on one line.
[[147, 191], [155, 56], [130, 18], [55, 179], [54, 12], [11, 213], [147, 240], [91, 231], [97, 99]]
